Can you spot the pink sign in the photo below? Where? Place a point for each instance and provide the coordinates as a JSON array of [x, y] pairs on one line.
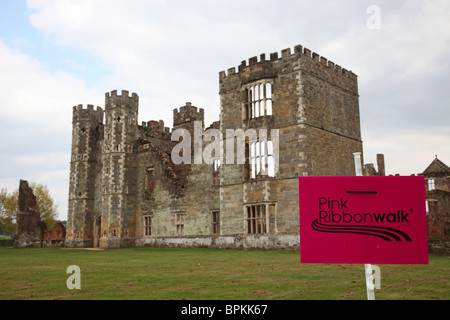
[[363, 220]]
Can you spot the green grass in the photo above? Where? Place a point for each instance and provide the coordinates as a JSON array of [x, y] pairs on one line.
[[176, 273]]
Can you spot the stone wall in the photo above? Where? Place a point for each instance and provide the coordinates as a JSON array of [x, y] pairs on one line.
[[30, 230], [239, 241], [54, 237], [438, 213], [439, 246]]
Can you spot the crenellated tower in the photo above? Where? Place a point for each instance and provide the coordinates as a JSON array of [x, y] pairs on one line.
[[119, 174], [185, 118], [314, 105], [87, 132]]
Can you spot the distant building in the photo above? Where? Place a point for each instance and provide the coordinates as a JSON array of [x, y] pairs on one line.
[[437, 177], [437, 186]]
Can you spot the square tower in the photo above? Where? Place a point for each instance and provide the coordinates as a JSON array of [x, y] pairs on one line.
[[313, 104]]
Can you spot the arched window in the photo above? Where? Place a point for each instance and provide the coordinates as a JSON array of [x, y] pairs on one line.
[[258, 100], [261, 160]]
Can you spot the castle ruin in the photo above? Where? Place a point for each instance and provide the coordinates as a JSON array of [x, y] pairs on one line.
[[125, 189]]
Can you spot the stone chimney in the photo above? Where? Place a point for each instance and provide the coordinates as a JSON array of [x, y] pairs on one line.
[[380, 164]]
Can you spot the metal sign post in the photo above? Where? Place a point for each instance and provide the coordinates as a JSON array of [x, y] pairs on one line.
[[368, 267], [363, 220], [369, 282]]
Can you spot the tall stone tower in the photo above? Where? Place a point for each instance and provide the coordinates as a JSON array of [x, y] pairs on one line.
[[87, 131], [314, 105], [119, 174]]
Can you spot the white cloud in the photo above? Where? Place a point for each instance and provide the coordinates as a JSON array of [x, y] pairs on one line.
[[403, 72], [36, 122], [413, 41], [35, 95], [170, 52], [408, 152]]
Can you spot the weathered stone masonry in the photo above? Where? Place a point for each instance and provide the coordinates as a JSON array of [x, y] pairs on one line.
[[437, 177], [126, 191], [30, 230]]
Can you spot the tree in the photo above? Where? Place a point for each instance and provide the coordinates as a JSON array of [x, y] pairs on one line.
[[8, 207], [8, 212], [49, 211]]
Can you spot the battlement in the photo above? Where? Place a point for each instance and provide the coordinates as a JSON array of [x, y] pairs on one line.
[[125, 93], [187, 113], [214, 125], [153, 126], [88, 107], [113, 100], [286, 55], [87, 114]]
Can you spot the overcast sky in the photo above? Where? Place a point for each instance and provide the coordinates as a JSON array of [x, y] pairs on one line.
[[55, 54]]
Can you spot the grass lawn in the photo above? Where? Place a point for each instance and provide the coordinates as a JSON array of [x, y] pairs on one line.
[[177, 273]]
